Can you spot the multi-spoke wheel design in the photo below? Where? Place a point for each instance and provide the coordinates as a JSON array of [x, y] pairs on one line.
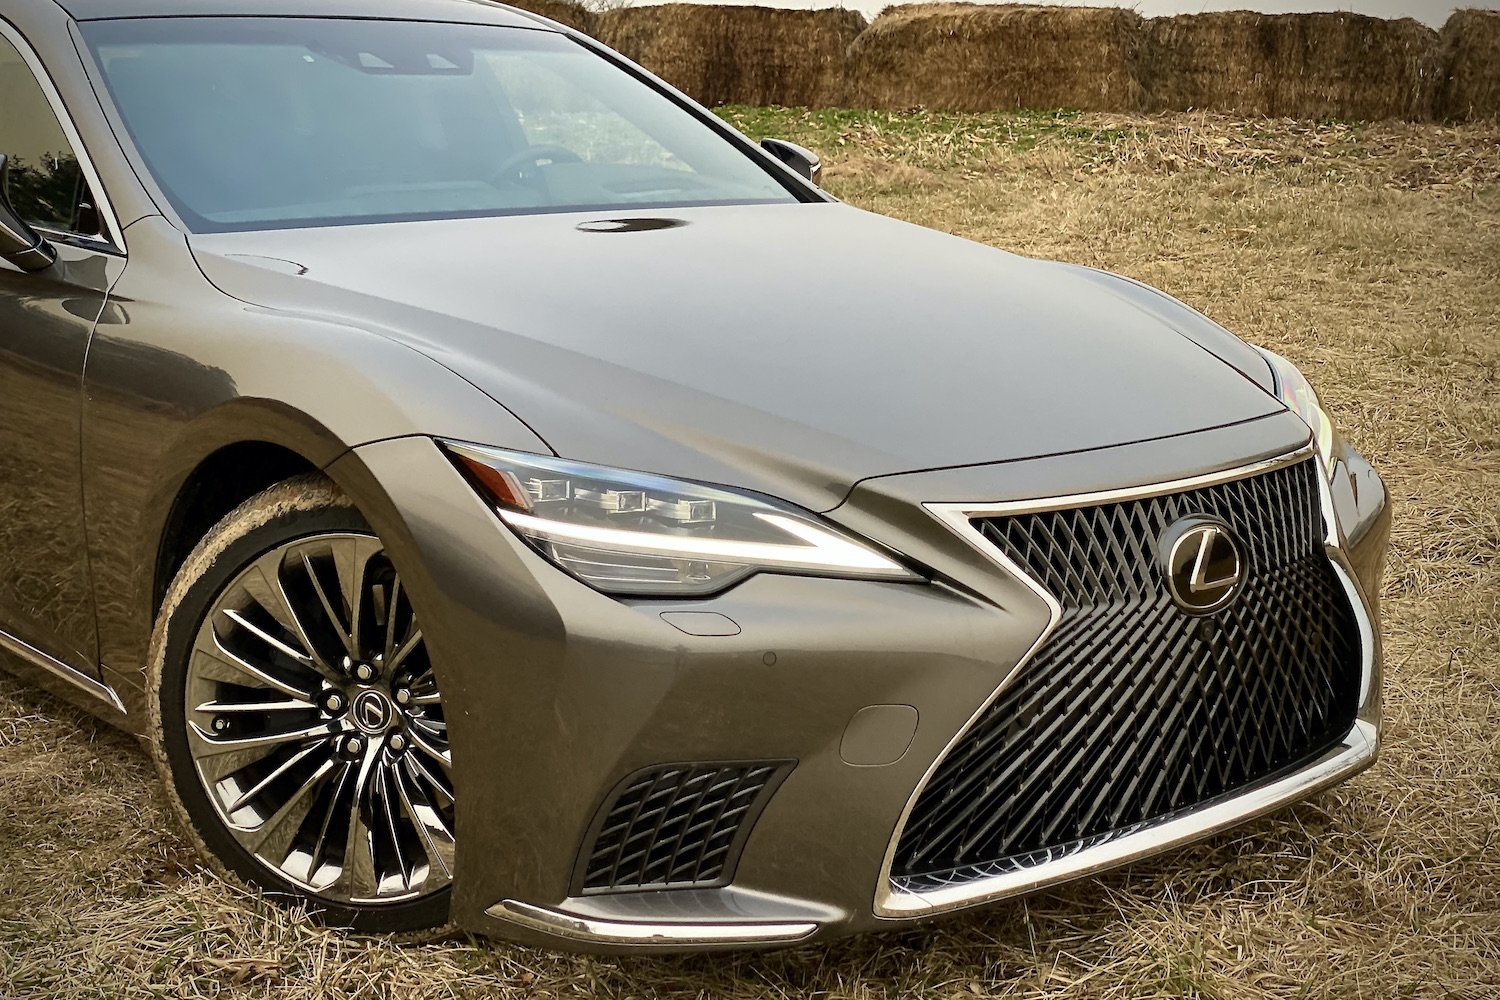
[[316, 727]]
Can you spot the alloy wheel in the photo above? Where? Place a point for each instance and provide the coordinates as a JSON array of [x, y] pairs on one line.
[[316, 726]]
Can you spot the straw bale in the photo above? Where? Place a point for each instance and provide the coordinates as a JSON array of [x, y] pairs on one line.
[[1292, 65], [1471, 89], [967, 57], [739, 55], [574, 15]]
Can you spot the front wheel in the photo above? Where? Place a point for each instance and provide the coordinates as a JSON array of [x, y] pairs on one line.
[[298, 723]]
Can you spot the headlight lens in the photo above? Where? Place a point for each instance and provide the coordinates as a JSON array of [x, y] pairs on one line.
[[636, 533], [1297, 393]]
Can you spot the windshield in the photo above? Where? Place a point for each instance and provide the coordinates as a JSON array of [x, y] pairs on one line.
[[260, 123]]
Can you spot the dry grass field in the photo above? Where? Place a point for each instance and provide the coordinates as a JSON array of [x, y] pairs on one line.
[[1370, 255]]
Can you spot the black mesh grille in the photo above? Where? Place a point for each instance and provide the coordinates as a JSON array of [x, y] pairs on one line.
[[1133, 710], [676, 826]]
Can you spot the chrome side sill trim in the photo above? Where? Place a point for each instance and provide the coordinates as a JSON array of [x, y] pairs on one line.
[[619, 932], [78, 679], [1359, 749], [1357, 752]]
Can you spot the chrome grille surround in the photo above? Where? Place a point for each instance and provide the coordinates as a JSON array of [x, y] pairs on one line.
[[1354, 751]]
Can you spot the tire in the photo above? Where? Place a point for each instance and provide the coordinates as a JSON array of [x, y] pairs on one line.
[[300, 732]]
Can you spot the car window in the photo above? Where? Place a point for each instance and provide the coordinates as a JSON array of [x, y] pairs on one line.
[[258, 123], [44, 182], [553, 109]]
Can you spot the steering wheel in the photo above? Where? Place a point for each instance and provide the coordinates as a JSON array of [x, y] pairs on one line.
[[514, 167]]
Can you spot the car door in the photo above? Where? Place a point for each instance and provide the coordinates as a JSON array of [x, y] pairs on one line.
[[46, 319]]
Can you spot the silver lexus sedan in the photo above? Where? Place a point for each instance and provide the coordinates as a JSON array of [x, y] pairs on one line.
[[499, 493]]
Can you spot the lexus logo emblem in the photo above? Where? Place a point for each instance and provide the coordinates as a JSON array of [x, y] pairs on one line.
[[372, 712], [1204, 567]]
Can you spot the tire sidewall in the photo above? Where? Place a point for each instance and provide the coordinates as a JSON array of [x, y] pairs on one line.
[[297, 509]]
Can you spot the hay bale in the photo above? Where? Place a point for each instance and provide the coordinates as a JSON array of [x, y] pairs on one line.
[[1292, 65], [967, 57], [574, 15], [1471, 88], [738, 55]]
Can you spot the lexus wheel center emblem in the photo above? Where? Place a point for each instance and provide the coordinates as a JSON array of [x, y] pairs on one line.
[[1204, 567], [372, 712]]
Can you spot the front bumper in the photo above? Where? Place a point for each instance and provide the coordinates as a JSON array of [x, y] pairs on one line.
[[561, 692]]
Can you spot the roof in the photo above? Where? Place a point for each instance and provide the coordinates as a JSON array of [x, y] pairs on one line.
[[474, 11]]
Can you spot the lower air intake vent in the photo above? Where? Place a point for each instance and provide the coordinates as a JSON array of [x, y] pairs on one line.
[[676, 826]]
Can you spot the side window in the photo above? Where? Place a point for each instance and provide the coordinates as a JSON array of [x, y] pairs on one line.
[[45, 184]]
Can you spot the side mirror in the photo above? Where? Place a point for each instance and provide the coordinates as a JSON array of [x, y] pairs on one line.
[[801, 159], [19, 243]]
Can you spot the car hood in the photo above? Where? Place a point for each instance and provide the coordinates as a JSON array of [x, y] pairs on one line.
[[792, 349]]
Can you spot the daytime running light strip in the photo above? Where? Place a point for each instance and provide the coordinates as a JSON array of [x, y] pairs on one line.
[[824, 550]]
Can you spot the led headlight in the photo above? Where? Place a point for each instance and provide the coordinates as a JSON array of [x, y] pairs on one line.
[[1297, 393], [636, 533]]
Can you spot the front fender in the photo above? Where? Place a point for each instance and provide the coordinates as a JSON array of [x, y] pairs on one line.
[[178, 370]]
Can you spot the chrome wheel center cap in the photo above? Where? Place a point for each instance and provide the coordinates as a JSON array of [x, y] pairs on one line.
[[372, 712]]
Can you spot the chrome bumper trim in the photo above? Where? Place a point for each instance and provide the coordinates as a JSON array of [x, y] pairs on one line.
[[1357, 750], [58, 668], [619, 932]]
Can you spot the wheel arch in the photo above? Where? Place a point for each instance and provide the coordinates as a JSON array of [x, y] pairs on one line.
[[221, 459], [218, 484]]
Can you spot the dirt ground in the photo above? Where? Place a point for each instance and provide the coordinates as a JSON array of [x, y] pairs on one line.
[[1369, 255]]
